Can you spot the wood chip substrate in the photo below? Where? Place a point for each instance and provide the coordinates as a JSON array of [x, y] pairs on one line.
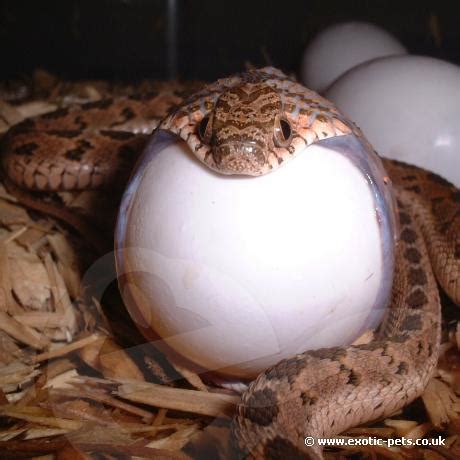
[[78, 381]]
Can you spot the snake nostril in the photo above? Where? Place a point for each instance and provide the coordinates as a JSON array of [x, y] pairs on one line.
[[218, 153]]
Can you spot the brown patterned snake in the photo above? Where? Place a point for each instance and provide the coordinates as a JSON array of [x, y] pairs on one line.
[[250, 124]]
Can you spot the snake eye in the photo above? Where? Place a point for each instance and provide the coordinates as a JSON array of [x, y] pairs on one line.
[[283, 132], [205, 130]]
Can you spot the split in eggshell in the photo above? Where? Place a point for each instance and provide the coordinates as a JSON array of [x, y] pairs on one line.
[[236, 273]]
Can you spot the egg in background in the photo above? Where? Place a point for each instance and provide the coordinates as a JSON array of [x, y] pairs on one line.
[[341, 47], [408, 108]]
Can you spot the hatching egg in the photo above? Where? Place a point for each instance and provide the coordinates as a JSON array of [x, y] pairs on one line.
[[233, 273], [341, 47], [407, 106]]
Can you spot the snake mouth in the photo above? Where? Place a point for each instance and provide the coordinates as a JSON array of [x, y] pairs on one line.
[[240, 158]]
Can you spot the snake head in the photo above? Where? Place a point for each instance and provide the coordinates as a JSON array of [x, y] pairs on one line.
[[244, 128], [237, 126], [253, 122]]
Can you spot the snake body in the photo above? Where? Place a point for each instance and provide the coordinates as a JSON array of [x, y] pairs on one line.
[[252, 123]]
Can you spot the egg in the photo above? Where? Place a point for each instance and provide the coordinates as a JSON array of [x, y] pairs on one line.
[[233, 273], [407, 106], [341, 47]]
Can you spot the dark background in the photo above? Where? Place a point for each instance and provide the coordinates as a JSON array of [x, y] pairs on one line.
[[199, 39]]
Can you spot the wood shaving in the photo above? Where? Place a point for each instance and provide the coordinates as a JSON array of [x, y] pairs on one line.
[[442, 404], [65, 349], [198, 402]]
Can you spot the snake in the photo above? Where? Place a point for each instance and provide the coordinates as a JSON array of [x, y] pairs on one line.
[[252, 123]]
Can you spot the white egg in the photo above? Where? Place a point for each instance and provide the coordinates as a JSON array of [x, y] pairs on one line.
[[235, 273], [341, 47], [408, 108]]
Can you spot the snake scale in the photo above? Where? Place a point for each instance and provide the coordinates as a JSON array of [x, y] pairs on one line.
[[251, 123]]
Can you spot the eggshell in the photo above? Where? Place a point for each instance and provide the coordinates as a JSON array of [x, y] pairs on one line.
[[235, 273], [408, 108], [341, 47]]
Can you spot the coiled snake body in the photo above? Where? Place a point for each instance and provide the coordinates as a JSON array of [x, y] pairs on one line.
[[252, 123]]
